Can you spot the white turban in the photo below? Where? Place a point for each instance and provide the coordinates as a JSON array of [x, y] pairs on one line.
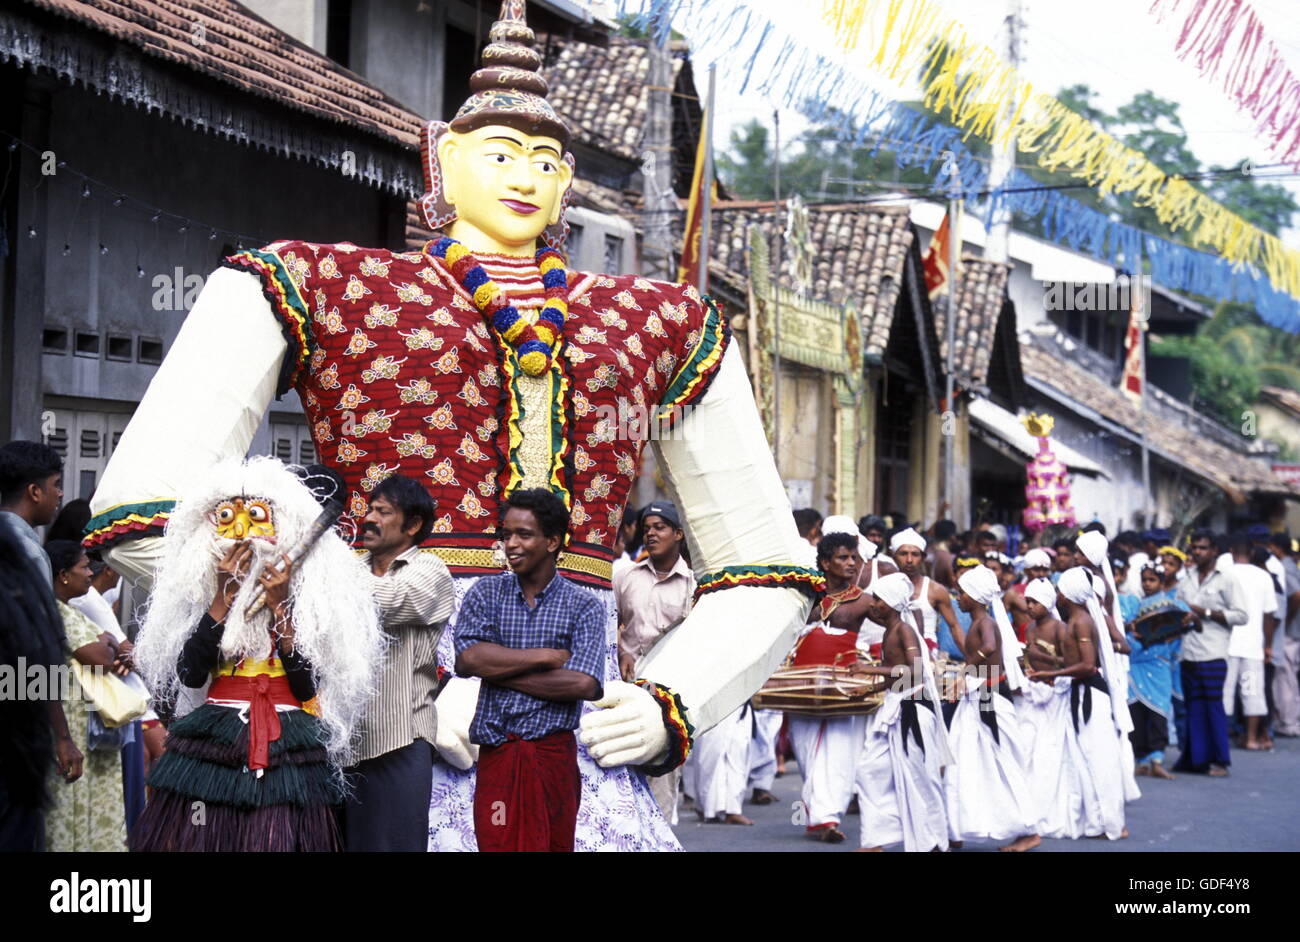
[[1037, 559], [896, 591], [908, 537], [838, 523], [1044, 593], [1076, 585], [981, 585], [1093, 545]]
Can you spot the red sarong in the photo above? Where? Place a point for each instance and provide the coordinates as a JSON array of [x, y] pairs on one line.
[[527, 793]]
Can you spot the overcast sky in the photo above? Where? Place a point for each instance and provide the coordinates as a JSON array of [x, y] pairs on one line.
[[1115, 46]]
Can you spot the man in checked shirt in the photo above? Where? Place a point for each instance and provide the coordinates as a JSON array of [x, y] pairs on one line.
[[538, 642]]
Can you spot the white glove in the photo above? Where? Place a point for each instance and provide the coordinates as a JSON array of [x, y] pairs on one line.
[[454, 711], [626, 729]]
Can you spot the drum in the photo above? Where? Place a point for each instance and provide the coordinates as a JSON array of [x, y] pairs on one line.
[[823, 690], [1159, 622]]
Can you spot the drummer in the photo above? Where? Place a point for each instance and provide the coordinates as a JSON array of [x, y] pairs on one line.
[[827, 748]]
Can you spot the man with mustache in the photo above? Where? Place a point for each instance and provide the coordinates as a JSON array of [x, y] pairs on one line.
[[388, 808]]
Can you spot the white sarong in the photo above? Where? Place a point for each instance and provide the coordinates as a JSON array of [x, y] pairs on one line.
[[721, 760], [827, 751], [900, 789], [762, 748], [1090, 717], [1059, 784], [987, 795], [1128, 762]]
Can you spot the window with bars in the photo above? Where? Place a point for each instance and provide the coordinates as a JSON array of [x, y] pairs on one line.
[[613, 254]]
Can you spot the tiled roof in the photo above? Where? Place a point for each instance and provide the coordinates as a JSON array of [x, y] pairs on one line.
[[601, 92], [1225, 468], [858, 255], [1287, 399], [223, 39], [981, 289]]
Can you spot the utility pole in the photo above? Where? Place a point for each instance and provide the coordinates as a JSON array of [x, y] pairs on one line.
[[776, 284], [657, 163], [1004, 152]]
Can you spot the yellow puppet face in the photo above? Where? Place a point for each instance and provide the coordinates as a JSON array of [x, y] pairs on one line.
[[239, 519], [506, 186]]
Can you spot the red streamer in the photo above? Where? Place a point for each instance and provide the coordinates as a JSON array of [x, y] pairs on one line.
[[1256, 76]]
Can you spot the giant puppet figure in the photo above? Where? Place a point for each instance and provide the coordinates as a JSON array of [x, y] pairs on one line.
[[479, 365]]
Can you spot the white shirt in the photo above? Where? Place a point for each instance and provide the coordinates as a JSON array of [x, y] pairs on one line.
[[1274, 565], [1222, 594], [1257, 593]]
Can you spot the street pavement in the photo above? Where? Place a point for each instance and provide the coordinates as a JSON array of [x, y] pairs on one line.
[[1254, 809]]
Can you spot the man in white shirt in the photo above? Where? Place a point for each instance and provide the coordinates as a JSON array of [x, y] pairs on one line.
[[1251, 641], [1286, 647], [653, 595], [1216, 605]]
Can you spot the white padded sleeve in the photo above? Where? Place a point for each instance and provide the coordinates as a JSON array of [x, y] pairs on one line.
[[204, 404], [721, 473]]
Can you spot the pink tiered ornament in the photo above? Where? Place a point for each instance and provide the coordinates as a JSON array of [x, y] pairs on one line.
[[1047, 486]]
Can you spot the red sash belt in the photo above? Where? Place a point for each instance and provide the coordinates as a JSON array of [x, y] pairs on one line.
[[263, 694]]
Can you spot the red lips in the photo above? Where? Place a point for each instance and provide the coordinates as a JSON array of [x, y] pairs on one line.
[[523, 209]]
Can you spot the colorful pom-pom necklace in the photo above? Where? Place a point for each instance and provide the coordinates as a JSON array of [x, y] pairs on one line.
[[534, 344]]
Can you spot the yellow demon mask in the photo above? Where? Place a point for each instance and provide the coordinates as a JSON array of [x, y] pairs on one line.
[[244, 518]]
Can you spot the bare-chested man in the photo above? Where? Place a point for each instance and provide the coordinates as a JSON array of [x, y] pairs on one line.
[[899, 776], [827, 748], [988, 798], [929, 598], [1093, 713], [1057, 773], [1093, 549], [1037, 565]]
